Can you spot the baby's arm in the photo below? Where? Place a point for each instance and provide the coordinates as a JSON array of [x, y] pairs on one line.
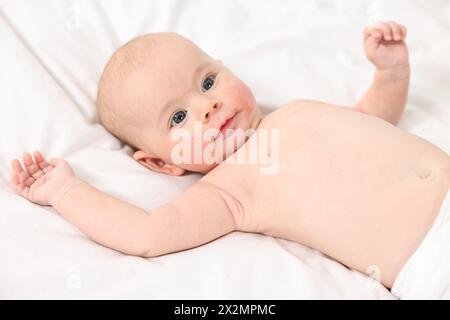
[[385, 48], [201, 214]]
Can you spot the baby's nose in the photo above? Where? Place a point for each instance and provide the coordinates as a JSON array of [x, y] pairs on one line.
[[209, 109]]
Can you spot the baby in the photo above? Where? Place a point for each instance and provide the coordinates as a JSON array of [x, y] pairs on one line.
[[344, 181]]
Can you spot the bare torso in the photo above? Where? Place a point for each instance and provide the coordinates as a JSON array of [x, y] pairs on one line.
[[350, 185]]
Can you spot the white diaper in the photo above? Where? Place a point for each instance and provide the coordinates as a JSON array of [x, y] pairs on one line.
[[426, 275]]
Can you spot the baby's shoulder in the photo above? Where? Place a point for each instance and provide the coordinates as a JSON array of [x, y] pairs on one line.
[[291, 109], [302, 103], [296, 105]]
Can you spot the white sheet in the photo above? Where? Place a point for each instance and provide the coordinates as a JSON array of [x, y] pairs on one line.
[[52, 53]]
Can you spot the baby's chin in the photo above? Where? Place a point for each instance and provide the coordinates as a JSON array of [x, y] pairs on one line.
[[215, 152]]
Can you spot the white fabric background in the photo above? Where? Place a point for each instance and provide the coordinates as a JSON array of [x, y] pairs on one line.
[[52, 54]]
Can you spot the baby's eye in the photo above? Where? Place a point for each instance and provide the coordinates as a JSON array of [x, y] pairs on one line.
[[207, 83], [178, 117]]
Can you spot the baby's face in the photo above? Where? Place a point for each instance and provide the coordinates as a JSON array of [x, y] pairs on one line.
[[178, 90]]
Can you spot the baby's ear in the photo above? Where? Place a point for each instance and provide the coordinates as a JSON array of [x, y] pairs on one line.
[[157, 164]]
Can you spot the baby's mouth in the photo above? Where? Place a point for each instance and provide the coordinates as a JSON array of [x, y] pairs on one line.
[[226, 125]]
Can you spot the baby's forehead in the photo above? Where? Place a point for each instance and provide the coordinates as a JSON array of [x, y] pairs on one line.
[[152, 50], [173, 63], [163, 68]]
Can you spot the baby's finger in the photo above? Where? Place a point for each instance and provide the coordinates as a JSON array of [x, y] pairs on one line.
[[404, 30], [387, 34], [40, 161], [16, 166], [14, 179], [396, 31], [377, 34], [31, 166], [18, 187], [371, 33], [16, 183]]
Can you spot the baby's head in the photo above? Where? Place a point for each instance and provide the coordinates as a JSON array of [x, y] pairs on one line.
[[160, 83]]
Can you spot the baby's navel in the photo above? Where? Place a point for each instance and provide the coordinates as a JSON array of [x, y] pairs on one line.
[[422, 170], [425, 173]]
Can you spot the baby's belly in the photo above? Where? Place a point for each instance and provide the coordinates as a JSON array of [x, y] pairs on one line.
[[350, 185]]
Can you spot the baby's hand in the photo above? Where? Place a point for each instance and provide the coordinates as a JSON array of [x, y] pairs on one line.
[[385, 46], [40, 180]]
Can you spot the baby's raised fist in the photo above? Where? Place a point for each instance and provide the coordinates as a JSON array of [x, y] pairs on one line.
[[387, 31], [384, 45]]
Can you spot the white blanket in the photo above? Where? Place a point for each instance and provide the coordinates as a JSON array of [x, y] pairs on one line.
[[51, 57]]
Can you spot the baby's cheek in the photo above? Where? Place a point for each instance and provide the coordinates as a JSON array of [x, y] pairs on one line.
[[192, 145], [239, 95]]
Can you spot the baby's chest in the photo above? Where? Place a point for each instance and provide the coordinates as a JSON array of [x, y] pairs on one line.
[[316, 164]]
